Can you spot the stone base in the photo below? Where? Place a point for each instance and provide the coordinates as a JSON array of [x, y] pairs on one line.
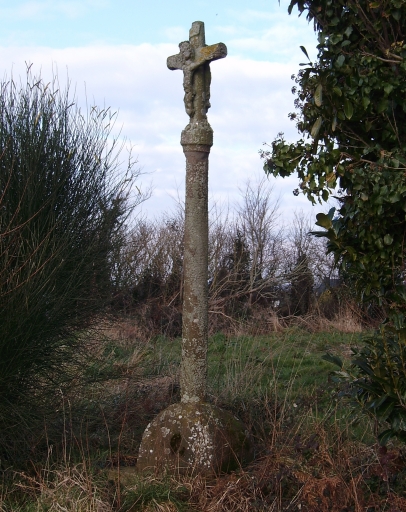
[[194, 438]]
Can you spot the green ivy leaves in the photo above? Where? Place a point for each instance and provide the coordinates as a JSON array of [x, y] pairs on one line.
[[348, 108], [377, 379], [352, 119]]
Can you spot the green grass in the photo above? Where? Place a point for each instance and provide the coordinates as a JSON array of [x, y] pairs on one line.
[[282, 371], [250, 366]]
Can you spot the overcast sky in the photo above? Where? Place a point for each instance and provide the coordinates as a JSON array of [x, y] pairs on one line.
[[116, 51]]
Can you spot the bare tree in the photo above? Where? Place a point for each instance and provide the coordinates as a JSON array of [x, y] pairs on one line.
[[258, 218], [254, 261], [301, 242]]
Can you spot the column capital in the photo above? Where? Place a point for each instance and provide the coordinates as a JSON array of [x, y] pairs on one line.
[[198, 134]]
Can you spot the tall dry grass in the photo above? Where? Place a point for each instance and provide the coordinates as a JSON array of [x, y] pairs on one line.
[[309, 454]]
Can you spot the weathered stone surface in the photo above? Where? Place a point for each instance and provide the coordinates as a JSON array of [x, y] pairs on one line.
[[198, 134], [194, 60], [193, 371], [194, 438]]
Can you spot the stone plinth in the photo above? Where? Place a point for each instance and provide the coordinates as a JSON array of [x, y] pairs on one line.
[[194, 438]]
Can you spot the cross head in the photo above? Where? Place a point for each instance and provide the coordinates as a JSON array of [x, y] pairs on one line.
[[194, 59]]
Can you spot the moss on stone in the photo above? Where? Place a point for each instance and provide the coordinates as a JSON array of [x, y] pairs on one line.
[[196, 438]]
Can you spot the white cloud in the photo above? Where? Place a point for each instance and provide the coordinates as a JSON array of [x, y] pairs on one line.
[[250, 102], [264, 33]]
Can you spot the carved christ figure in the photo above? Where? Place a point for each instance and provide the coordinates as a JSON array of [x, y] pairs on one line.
[[193, 59], [189, 65]]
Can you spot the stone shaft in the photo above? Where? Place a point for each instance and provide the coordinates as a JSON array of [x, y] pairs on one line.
[[195, 293]]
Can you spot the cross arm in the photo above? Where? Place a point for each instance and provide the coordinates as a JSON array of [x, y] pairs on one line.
[[174, 62], [203, 54], [210, 53]]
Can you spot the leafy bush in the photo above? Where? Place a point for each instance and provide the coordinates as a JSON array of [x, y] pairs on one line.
[[379, 381], [351, 116], [63, 203]]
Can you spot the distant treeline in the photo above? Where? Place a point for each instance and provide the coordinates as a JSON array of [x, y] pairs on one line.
[[257, 264]]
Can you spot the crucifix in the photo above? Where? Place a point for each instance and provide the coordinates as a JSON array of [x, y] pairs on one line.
[[194, 60], [194, 435]]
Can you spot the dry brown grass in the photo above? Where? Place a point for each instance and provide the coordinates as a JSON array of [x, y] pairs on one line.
[[262, 321], [345, 321], [67, 488], [153, 318], [286, 480], [308, 474], [304, 461]]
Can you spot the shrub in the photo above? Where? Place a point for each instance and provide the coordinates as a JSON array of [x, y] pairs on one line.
[[63, 208], [378, 379]]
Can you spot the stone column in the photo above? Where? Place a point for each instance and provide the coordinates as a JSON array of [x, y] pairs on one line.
[[193, 374]]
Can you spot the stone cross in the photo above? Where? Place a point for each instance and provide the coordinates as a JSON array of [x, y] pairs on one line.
[[194, 435], [193, 59]]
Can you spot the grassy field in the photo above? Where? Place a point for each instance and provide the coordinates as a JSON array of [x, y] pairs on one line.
[[259, 364], [312, 451]]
